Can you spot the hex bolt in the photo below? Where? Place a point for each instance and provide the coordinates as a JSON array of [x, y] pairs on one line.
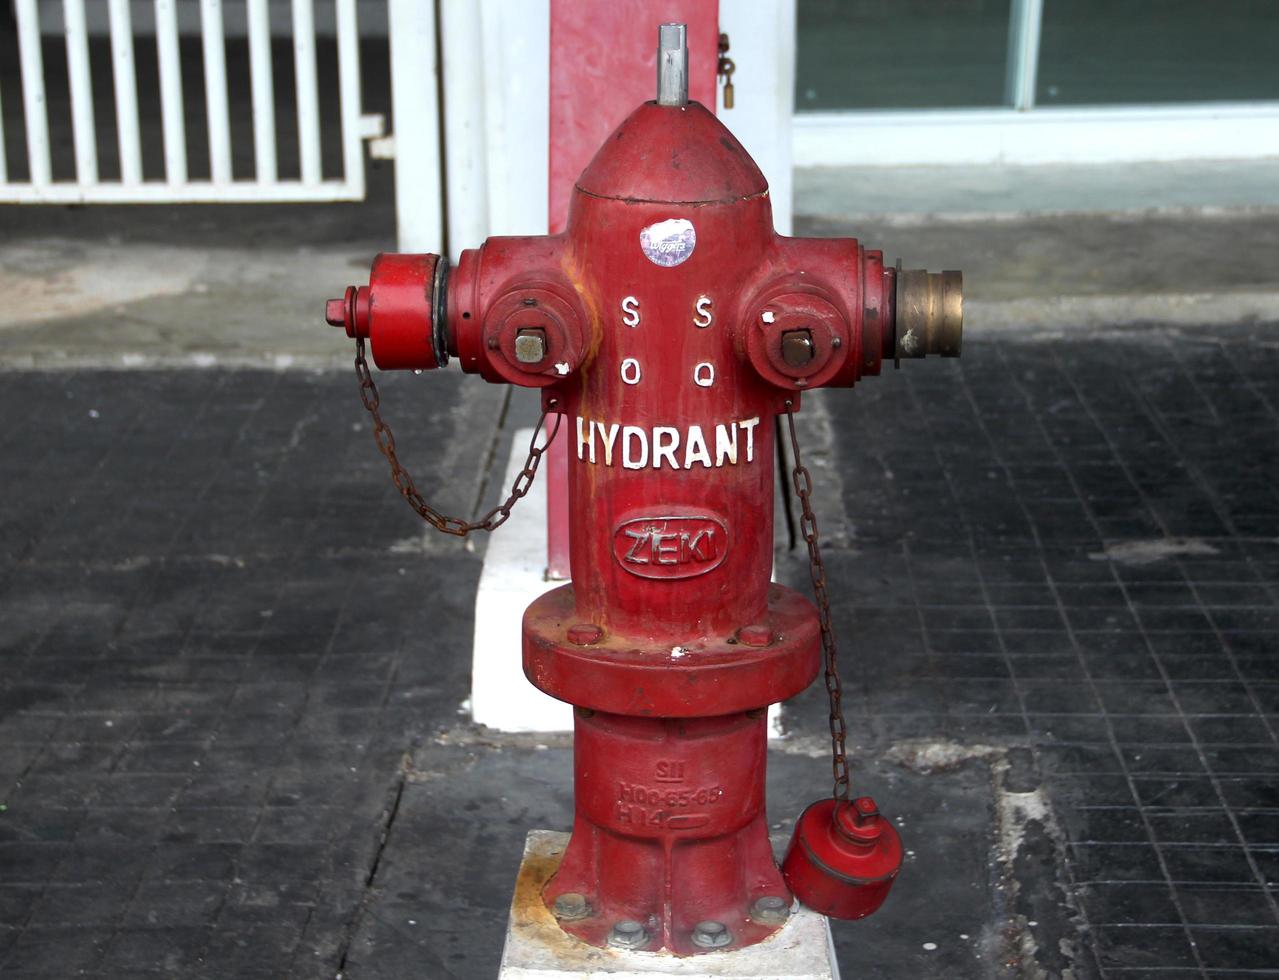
[[628, 934], [797, 347], [571, 906], [755, 635], [584, 634], [860, 822], [770, 909], [530, 345], [711, 935], [335, 312]]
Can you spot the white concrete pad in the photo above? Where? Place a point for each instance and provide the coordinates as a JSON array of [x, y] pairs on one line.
[[538, 949], [514, 574]]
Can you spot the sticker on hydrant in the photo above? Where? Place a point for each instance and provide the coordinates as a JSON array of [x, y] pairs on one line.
[[669, 242]]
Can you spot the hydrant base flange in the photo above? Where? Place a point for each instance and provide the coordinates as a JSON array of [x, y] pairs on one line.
[[537, 947]]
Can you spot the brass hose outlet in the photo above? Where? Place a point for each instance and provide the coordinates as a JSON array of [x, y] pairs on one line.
[[930, 313]]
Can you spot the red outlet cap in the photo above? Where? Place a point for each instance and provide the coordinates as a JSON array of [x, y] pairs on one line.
[[843, 858]]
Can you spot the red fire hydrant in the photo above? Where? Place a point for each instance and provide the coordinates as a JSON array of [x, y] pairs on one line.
[[669, 327]]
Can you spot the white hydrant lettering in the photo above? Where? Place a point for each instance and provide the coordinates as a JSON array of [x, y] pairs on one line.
[[680, 449]]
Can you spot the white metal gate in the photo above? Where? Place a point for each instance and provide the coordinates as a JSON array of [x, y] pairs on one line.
[[175, 185]]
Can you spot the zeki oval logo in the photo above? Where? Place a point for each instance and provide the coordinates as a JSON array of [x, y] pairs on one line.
[[670, 547]]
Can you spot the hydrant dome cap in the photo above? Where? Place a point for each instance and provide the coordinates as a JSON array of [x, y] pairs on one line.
[[672, 155]]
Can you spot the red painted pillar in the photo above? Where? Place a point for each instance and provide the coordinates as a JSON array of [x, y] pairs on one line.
[[599, 74]]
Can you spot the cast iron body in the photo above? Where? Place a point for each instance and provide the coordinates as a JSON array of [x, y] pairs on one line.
[[675, 326]]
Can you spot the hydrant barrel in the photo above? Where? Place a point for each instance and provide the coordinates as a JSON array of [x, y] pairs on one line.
[[670, 326]]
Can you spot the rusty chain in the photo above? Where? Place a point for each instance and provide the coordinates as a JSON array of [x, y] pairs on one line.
[[404, 480], [802, 480]]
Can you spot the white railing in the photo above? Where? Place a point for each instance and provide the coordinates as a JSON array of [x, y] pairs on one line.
[[175, 186]]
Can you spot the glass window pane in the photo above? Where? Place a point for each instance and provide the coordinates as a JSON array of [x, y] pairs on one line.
[[897, 54], [1095, 52]]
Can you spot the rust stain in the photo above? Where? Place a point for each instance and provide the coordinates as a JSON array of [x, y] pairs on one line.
[[573, 271], [527, 908], [533, 922]]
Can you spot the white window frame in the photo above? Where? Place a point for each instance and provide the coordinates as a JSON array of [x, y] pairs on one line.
[[1022, 133]]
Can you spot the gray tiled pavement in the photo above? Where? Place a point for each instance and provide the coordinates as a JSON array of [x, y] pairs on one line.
[[229, 715]]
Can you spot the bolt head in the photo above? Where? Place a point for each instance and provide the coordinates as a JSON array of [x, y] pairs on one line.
[[628, 934], [335, 312], [770, 909], [711, 935], [755, 635], [571, 905], [859, 822], [530, 345], [797, 347], [584, 634]]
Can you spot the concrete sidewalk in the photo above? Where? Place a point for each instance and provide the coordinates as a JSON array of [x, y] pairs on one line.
[[243, 286], [1062, 247], [74, 303]]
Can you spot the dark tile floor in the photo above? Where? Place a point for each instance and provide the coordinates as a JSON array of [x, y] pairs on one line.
[[1075, 544], [229, 731], [212, 668]]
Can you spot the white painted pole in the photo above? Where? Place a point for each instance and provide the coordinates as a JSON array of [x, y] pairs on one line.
[[465, 151], [263, 88], [517, 114], [82, 128], [307, 90], [215, 91], [762, 35], [1022, 70], [4, 168], [34, 110], [418, 204], [126, 93], [348, 32], [171, 111]]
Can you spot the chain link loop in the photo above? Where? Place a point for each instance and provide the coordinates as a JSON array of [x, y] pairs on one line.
[[802, 481], [403, 480]]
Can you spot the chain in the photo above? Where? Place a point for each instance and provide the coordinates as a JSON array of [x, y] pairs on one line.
[[802, 480], [404, 481]]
